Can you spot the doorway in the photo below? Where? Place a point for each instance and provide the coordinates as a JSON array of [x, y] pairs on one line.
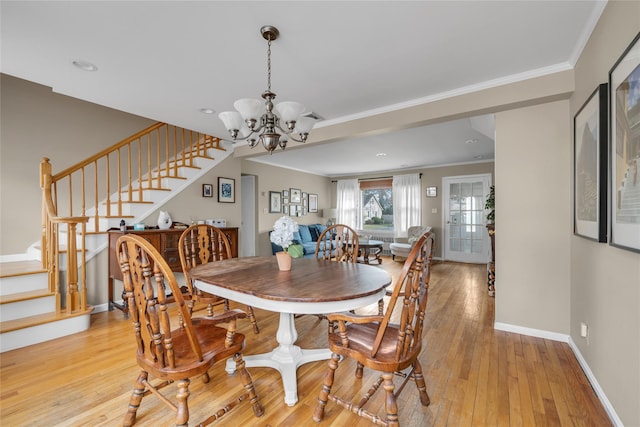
[[248, 223], [465, 235]]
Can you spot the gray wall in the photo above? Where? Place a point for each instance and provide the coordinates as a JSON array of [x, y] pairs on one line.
[[36, 123], [605, 281]]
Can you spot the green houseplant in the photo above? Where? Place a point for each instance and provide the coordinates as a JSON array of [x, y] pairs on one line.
[[491, 204]]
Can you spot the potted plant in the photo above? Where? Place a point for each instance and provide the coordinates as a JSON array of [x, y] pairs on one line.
[[491, 228], [491, 204], [491, 218], [282, 235]]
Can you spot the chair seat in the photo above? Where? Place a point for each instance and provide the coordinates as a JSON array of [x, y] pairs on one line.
[[211, 339], [361, 338], [400, 248]]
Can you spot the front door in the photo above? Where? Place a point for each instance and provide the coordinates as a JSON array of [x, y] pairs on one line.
[[465, 234]]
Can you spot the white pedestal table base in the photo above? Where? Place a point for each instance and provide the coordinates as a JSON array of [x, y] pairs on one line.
[[286, 358]]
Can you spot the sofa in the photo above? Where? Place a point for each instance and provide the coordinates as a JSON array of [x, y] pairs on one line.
[[401, 246], [307, 236]]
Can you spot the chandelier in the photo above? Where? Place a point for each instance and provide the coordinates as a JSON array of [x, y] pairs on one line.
[[256, 121]]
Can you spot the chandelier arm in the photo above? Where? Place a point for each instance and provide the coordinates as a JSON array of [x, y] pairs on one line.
[[290, 136], [285, 131], [243, 138]]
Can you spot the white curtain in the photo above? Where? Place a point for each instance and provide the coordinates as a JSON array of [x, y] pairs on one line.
[[348, 205], [406, 203]]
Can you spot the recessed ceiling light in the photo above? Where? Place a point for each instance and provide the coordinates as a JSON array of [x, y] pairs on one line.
[[207, 111], [85, 65], [381, 154], [472, 141]]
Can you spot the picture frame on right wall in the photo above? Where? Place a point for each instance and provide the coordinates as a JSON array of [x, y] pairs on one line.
[[590, 170], [624, 182]]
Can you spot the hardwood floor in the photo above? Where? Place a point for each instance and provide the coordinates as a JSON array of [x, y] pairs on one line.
[[475, 376]]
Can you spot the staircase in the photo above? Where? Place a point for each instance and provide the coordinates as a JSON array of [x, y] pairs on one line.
[[629, 208], [43, 296]]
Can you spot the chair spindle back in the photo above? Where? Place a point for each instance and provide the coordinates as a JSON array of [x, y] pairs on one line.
[[145, 275], [338, 242], [412, 291]]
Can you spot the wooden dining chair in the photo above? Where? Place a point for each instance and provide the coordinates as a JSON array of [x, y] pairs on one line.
[[201, 244], [338, 242], [378, 344], [346, 243], [174, 354]]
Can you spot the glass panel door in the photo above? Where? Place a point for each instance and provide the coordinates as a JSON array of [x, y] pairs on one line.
[[465, 234]]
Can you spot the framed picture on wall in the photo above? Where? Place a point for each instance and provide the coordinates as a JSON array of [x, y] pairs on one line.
[[226, 190], [295, 195], [275, 202], [313, 203], [207, 190], [624, 184], [590, 140]]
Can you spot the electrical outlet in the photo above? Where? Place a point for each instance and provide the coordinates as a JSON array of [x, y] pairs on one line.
[[434, 210], [584, 330]]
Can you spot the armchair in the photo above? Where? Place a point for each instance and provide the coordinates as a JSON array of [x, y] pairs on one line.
[[401, 248]]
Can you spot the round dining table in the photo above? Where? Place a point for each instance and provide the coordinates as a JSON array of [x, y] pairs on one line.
[[312, 286]]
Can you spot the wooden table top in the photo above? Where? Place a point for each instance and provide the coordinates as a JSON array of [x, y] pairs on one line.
[[310, 279]]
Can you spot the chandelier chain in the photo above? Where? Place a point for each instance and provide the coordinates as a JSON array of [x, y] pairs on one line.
[[269, 64]]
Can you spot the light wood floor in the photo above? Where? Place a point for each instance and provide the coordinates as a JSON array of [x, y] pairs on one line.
[[475, 376]]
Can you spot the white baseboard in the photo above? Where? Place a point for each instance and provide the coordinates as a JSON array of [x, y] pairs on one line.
[[100, 308], [596, 387], [554, 336], [538, 333]]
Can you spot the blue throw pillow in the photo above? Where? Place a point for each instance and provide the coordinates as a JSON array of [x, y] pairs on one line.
[[320, 228], [313, 229], [296, 237], [305, 234]]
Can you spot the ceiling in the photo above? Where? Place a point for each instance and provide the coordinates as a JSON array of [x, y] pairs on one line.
[[167, 60]]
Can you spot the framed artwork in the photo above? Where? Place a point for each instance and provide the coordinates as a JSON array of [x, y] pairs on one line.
[[285, 193], [285, 210], [296, 195], [313, 203], [226, 190], [432, 191], [207, 190], [624, 182], [275, 202], [590, 145]]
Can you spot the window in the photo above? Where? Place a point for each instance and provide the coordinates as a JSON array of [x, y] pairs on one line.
[[377, 205]]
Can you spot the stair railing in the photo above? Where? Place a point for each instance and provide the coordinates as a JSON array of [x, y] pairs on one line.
[[100, 187]]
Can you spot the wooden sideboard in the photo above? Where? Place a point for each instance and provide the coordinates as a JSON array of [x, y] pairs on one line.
[[166, 242]]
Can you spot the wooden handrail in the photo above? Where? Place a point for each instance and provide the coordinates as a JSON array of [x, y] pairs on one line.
[[61, 202], [106, 151]]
